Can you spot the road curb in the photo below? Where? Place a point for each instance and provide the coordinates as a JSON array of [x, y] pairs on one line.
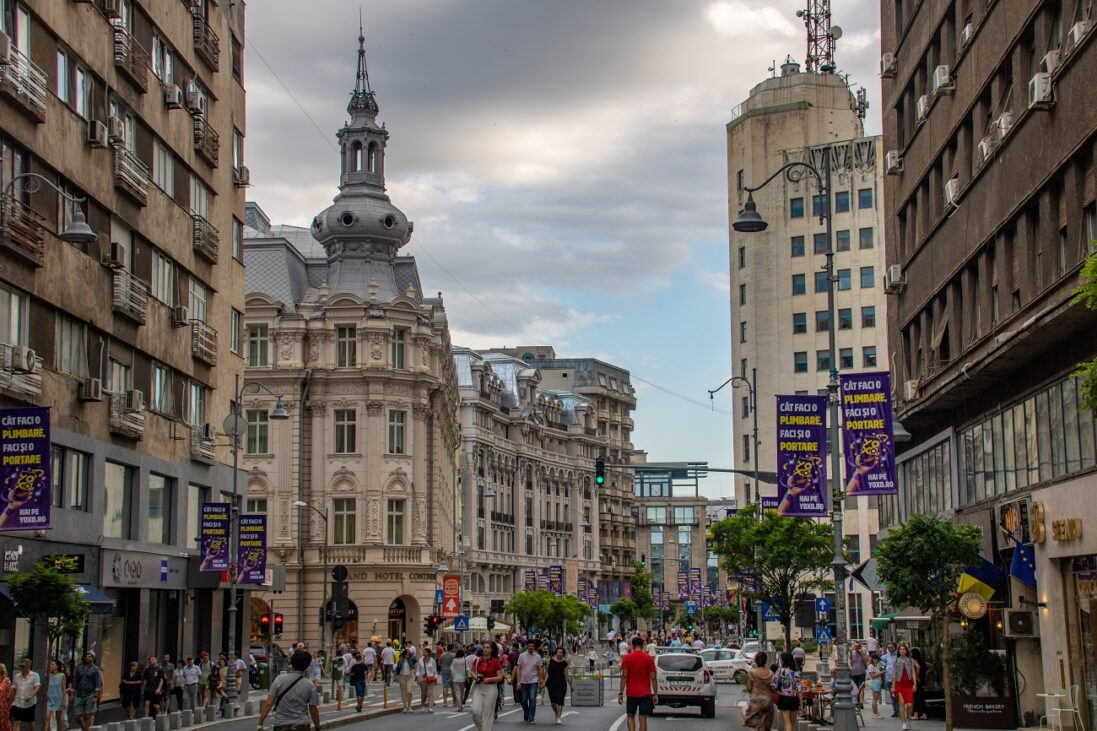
[[329, 723]]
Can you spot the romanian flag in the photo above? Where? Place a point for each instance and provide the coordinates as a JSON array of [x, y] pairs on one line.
[[983, 579]]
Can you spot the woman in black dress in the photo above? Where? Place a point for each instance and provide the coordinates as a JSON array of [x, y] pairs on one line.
[[559, 678], [130, 689], [920, 669]]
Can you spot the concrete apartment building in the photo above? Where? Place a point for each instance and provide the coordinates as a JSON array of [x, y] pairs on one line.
[[778, 286], [528, 494], [609, 389], [133, 339], [992, 208], [364, 473]]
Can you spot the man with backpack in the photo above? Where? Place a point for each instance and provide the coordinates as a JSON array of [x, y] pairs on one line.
[[294, 701]]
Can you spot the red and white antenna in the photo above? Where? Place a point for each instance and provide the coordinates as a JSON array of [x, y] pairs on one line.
[[821, 36]]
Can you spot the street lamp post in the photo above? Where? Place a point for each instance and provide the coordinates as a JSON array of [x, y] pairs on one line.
[[77, 232], [235, 424], [749, 221], [323, 592]]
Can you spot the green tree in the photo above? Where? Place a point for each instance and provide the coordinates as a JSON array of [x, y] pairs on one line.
[[565, 611], [624, 610], [641, 592], [51, 601], [789, 556], [531, 607], [920, 564], [1087, 295]]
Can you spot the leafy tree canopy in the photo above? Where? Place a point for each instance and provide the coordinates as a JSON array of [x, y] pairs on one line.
[[623, 609], [50, 599], [921, 562], [545, 609], [641, 592], [1087, 294]]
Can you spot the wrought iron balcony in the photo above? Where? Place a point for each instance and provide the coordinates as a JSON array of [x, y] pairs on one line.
[[206, 141], [127, 414], [203, 342], [20, 370], [131, 174], [24, 82], [201, 445], [206, 239], [131, 296], [131, 58], [23, 230], [206, 43]]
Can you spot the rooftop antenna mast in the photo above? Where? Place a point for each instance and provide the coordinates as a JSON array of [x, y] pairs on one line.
[[820, 35]]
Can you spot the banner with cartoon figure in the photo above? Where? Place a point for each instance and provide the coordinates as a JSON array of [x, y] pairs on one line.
[[251, 558], [556, 580], [683, 585], [25, 469], [695, 583], [531, 580], [581, 591], [214, 532], [801, 456], [867, 436]]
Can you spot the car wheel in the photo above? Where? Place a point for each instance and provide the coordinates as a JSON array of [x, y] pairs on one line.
[[708, 710], [740, 676]]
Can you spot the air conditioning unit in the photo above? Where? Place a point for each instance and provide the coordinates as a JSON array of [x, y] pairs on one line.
[[196, 101], [117, 129], [966, 34], [241, 176], [1050, 62], [1039, 91], [942, 81], [173, 97], [1077, 32], [893, 162], [116, 257], [888, 65], [208, 432], [134, 400], [5, 48], [987, 146], [894, 281], [1003, 125], [921, 108], [97, 133], [112, 8], [23, 359], [179, 317], [952, 193], [91, 389], [1021, 623], [910, 390]]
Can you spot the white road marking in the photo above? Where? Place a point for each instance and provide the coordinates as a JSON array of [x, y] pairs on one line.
[[616, 724]]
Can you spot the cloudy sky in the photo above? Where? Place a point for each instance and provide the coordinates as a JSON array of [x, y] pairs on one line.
[[563, 161]]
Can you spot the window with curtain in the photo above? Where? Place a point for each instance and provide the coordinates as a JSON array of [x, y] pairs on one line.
[[257, 441], [394, 523], [344, 525], [69, 352], [258, 346], [346, 431], [396, 432], [346, 346], [158, 517], [118, 496]]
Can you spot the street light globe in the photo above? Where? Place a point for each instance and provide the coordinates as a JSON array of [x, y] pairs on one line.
[[78, 230], [749, 222], [300, 504], [279, 412]]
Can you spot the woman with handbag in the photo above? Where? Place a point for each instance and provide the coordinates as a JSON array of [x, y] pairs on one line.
[[487, 673], [405, 674], [758, 714], [787, 684], [426, 674]]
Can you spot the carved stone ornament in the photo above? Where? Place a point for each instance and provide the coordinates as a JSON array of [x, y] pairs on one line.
[[374, 408], [343, 475], [373, 513], [420, 517], [342, 404], [317, 407], [314, 350], [285, 349], [377, 346], [421, 411]]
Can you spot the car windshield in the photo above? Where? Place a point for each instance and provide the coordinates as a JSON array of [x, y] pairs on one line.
[[679, 663]]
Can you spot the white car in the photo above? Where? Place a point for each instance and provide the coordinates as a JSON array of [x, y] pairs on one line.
[[726, 664], [747, 652], [683, 680]]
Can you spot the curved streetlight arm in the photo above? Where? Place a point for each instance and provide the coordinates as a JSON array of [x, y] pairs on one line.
[[736, 382], [785, 168], [313, 508], [258, 386], [36, 185]]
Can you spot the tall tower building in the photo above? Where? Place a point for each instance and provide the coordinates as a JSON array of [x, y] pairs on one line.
[[779, 288]]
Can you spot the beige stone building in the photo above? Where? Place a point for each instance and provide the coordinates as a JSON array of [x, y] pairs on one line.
[[364, 472], [779, 289], [132, 339], [528, 488]]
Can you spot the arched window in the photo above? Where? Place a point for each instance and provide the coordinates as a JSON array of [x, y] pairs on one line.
[[374, 157], [356, 157]]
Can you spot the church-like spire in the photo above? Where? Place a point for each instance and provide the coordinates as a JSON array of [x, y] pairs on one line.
[[362, 98]]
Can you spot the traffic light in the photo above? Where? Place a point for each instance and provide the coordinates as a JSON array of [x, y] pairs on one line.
[[264, 624], [643, 561], [278, 624], [600, 471], [491, 623], [432, 624]]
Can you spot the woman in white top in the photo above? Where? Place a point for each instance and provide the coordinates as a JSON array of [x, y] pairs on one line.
[[426, 674], [458, 673]]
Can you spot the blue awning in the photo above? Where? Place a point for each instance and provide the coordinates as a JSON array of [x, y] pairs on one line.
[[100, 602]]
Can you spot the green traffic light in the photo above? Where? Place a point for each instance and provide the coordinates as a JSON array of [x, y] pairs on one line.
[[600, 480]]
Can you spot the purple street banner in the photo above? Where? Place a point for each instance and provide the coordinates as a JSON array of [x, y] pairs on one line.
[[251, 561], [770, 503], [657, 598], [867, 438], [626, 590], [592, 598], [542, 581], [581, 590], [556, 580], [666, 601], [683, 585], [531, 580], [25, 469], [706, 595], [695, 583], [214, 532], [801, 455]]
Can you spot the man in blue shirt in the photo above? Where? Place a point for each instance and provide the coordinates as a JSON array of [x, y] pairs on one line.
[[889, 658]]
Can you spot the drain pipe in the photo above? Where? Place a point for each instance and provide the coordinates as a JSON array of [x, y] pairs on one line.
[[304, 443]]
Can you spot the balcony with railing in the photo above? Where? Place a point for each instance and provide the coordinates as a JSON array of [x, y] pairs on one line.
[[131, 296], [201, 444], [206, 43], [206, 239], [23, 230], [500, 517], [131, 174], [127, 414], [20, 371], [206, 141], [25, 83], [203, 342], [131, 58]]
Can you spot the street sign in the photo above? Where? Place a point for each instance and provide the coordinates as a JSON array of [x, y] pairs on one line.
[[460, 623], [769, 614], [691, 608], [822, 605], [451, 596], [822, 635], [438, 594], [339, 573]]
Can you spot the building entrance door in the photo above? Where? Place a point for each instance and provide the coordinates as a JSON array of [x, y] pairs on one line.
[[398, 615]]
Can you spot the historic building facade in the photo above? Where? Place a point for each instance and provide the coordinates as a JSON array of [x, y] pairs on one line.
[[364, 473], [527, 455], [131, 339]]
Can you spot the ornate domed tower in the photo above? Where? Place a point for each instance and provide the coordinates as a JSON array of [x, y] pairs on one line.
[[362, 231]]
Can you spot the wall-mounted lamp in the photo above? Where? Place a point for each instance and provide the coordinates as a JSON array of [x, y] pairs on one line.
[[1028, 602]]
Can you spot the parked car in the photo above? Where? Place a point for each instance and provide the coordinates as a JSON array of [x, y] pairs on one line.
[[749, 649], [683, 680], [726, 665]]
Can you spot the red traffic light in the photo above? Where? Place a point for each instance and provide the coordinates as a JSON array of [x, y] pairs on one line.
[[278, 624], [264, 624]]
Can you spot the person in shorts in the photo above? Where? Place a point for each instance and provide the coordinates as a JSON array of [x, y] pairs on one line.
[[356, 677], [293, 699], [155, 686], [87, 688], [26, 684], [638, 683]]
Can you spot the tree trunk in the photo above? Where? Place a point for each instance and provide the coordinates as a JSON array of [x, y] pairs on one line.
[[946, 672], [788, 635]]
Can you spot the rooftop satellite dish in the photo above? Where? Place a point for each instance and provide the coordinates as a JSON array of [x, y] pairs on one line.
[[835, 32]]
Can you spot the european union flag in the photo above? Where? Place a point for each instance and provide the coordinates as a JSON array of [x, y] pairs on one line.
[[1023, 566]]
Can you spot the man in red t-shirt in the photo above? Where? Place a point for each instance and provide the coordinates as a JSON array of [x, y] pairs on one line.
[[639, 683]]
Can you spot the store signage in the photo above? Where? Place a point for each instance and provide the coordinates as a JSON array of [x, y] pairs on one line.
[[977, 712], [973, 605], [66, 563], [451, 596], [133, 569], [25, 469], [1066, 529], [11, 560]]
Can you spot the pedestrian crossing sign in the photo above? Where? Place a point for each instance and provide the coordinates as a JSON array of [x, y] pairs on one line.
[[822, 635], [461, 623]]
